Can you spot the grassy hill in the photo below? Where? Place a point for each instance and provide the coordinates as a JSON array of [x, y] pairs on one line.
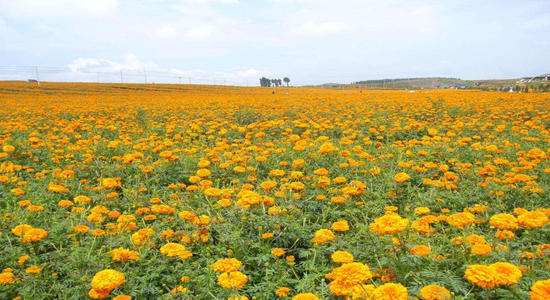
[[444, 82]]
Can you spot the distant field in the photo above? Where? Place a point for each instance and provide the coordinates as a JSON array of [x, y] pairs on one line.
[[163, 191]]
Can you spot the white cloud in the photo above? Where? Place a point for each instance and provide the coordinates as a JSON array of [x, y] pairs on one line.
[[133, 68], [165, 32], [212, 1], [201, 31], [323, 28], [57, 8]]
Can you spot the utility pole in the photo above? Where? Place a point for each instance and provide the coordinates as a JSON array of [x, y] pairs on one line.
[[37, 76]]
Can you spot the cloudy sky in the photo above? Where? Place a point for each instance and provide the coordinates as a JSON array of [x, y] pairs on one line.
[[310, 41]]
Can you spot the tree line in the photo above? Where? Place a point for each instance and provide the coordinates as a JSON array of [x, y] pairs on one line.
[[273, 82]]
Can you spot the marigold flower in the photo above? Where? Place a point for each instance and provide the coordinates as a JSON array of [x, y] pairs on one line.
[[342, 257], [34, 235], [540, 290], [420, 250], [322, 236], [480, 275], [278, 252], [434, 292], [282, 292], [175, 249], [401, 177], [506, 273], [504, 221], [123, 254], [389, 224], [231, 280], [340, 226], [532, 219], [107, 280], [305, 296], [226, 265], [390, 291]]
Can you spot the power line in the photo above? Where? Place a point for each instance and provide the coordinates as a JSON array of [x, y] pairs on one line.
[[52, 73]]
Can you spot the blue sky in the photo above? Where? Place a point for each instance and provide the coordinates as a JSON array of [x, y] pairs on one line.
[[310, 41]]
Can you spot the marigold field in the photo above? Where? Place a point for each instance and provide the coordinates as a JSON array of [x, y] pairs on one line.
[[210, 192]]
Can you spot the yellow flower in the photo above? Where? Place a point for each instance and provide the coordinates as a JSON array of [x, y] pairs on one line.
[[532, 219], [33, 270], [175, 249], [480, 275], [342, 257], [231, 280], [420, 250], [340, 226], [504, 221], [390, 291], [540, 290], [305, 296], [506, 273], [389, 224], [282, 292], [278, 252], [34, 235], [481, 249], [107, 280], [122, 254], [401, 177], [322, 236], [226, 265], [434, 292]]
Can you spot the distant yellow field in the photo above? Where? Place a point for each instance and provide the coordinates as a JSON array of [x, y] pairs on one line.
[[218, 192]]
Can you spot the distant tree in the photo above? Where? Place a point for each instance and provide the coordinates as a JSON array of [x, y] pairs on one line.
[[265, 82], [286, 80], [276, 82]]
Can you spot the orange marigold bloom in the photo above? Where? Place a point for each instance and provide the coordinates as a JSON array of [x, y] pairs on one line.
[[7, 277], [305, 296], [278, 252], [481, 249], [123, 254], [282, 292], [347, 276], [460, 220], [401, 177], [231, 280], [33, 270], [175, 249], [34, 235], [506, 273], [480, 275], [323, 236], [340, 226], [532, 219], [389, 224], [390, 291], [540, 290], [434, 292], [226, 265], [420, 250], [21, 229], [81, 228], [107, 280], [504, 222], [342, 257]]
